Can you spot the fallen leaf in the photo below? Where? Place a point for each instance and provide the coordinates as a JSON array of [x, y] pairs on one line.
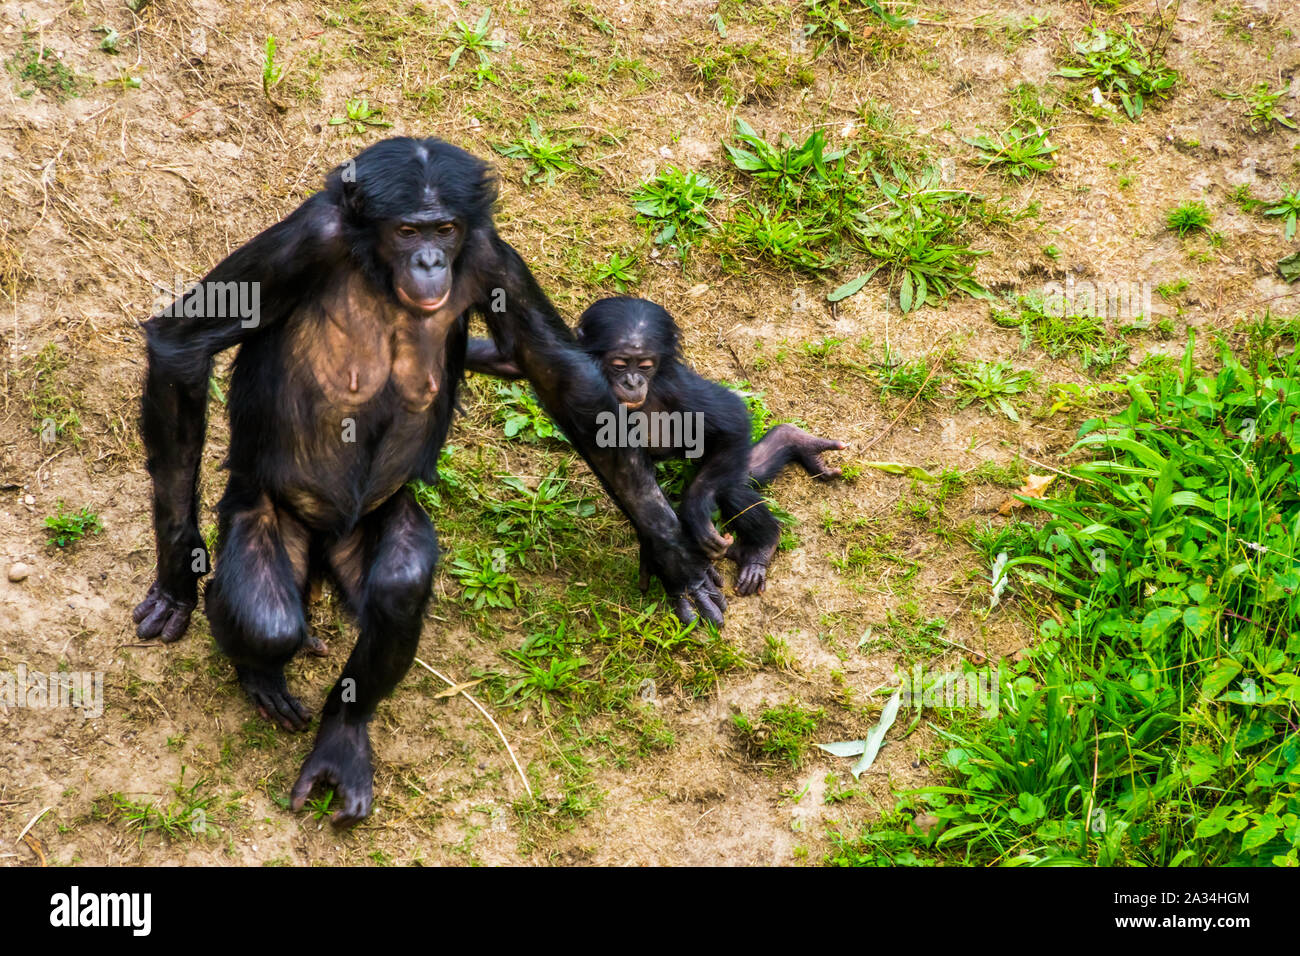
[[453, 691], [876, 735], [1035, 487]]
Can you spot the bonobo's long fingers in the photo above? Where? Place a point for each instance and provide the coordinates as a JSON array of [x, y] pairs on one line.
[[270, 695], [162, 616], [713, 543], [811, 459], [705, 597], [340, 759], [752, 579]]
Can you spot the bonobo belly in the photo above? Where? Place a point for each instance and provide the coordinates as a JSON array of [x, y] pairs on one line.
[[353, 464], [371, 396]]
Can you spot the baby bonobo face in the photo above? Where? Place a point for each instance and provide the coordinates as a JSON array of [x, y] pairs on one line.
[[630, 371]]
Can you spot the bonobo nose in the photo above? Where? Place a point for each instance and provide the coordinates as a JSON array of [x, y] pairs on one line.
[[430, 259]]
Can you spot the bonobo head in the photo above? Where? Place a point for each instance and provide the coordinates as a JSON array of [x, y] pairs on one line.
[[634, 340], [409, 206]]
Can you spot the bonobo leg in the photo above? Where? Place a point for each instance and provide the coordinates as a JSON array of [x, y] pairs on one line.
[[757, 535], [255, 601], [784, 444], [386, 571]]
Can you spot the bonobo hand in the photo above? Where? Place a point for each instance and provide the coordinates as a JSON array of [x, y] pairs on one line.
[[693, 586], [341, 758], [163, 614]]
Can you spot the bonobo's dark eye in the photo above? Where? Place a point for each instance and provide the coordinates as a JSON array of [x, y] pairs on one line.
[[445, 228], [407, 232], [619, 364], [647, 365]]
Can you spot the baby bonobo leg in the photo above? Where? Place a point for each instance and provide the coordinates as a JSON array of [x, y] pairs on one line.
[[757, 535], [785, 444]]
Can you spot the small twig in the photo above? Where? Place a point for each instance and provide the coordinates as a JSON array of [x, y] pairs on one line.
[[495, 725], [906, 408], [31, 823], [1066, 474]]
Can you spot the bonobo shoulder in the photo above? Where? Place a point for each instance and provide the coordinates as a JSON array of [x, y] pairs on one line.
[[321, 217]]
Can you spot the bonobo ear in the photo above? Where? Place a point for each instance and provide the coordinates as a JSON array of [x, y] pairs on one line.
[[342, 182]]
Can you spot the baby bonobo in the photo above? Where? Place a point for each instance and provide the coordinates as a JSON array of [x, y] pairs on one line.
[[674, 413]]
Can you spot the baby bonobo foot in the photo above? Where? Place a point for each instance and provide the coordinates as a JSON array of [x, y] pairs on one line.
[[751, 568], [751, 578], [314, 647], [341, 758], [270, 695], [809, 452]]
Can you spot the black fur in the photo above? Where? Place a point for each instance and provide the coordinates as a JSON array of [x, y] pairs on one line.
[[616, 333], [364, 289]]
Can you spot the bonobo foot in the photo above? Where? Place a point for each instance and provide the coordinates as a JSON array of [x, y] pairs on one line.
[[162, 615], [751, 568], [270, 695], [751, 578], [314, 647], [809, 450], [341, 759]]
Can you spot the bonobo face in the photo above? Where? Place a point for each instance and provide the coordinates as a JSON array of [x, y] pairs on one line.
[[630, 371], [421, 251]]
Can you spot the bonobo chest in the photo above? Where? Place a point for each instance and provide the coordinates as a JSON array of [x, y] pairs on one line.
[[356, 342]]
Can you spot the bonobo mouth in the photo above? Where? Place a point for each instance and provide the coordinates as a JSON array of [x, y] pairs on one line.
[[423, 305], [633, 406]]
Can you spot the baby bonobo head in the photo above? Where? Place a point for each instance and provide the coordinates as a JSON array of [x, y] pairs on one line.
[[633, 340]]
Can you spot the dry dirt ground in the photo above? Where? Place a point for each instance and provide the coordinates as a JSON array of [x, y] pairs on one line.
[[113, 190]]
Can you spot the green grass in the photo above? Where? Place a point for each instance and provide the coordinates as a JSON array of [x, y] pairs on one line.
[[184, 816], [475, 39], [1019, 151], [545, 158], [360, 116], [41, 67], [1287, 209], [1189, 218], [992, 384], [50, 396], [1153, 722], [1122, 66], [783, 732], [677, 204], [814, 209], [521, 415], [485, 581], [618, 270], [68, 527], [1261, 107]]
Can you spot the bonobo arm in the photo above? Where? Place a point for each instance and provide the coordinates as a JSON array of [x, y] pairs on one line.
[[267, 276], [573, 392], [484, 357]]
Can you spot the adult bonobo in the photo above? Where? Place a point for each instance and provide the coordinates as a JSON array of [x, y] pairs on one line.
[[638, 346], [343, 390]]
